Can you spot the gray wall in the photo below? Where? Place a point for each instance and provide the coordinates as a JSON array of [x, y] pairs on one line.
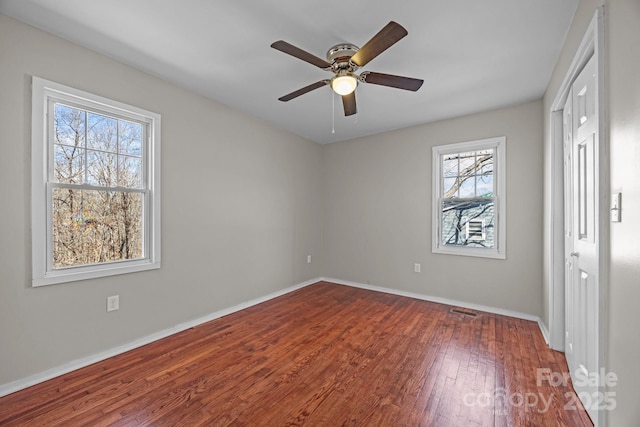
[[241, 209], [622, 33], [378, 212]]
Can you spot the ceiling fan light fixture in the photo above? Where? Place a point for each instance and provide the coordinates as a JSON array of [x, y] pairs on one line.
[[344, 84]]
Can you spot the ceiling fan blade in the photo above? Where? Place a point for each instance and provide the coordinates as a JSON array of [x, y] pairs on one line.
[[304, 90], [349, 104], [292, 50], [399, 82], [382, 41]]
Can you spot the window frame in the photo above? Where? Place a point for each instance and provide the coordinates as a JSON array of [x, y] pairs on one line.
[[499, 177], [44, 94]]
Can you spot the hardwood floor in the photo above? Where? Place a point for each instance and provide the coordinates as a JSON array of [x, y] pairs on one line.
[[324, 355]]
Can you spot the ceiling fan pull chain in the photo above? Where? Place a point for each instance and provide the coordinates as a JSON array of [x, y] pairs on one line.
[[333, 113]]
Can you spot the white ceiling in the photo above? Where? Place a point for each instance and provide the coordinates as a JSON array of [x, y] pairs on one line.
[[473, 55]]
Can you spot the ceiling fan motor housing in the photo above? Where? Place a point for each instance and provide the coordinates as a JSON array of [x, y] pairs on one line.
[[339, 56]]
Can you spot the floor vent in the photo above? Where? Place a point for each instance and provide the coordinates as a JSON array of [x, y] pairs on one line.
[[463, 312]]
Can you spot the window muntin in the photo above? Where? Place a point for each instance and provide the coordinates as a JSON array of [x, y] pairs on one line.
[[468, 178], [96, 186]]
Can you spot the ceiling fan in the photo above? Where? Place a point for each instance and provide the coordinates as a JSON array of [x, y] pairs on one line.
[[344, 59]]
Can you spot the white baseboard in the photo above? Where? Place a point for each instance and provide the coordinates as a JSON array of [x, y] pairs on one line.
[[23, 383], [544, 331], [447, 301]]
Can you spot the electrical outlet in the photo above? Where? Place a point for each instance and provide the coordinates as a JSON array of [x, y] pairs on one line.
[[416, 268], [308, 259], [113, 303]]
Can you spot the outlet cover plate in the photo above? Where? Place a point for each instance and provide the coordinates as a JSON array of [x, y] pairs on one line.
[[113, 303]]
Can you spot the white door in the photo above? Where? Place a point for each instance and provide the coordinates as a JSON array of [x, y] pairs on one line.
[[581, 237]]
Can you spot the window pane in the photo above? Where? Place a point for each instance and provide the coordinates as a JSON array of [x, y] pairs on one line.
[[68, 164], [468, 187], [101, 168], [450, 165], [486, 164], [69, 126], [467, 160], [130, 138], [450, 187], [102, 133], [130, 172], [484, 186], [91, 227], [456, 214]]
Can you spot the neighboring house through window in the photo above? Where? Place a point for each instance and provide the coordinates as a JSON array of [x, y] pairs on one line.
[[95, 186], [469, 214]]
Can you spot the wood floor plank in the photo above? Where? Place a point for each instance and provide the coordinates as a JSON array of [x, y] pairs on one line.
[[322, 355]]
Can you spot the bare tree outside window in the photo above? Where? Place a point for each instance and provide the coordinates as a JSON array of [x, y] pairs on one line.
[[468, 201], [97, 196]]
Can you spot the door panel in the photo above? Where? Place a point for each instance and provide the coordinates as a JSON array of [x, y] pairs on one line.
[[581, 236], [586, 190]]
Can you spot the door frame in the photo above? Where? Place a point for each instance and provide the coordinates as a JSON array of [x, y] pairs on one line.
[[592, 45]]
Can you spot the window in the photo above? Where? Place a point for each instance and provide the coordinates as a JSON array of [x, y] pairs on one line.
[[469, 198], [95, 186]]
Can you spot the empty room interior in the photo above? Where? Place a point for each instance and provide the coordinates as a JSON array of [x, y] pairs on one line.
[[320, 213]]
